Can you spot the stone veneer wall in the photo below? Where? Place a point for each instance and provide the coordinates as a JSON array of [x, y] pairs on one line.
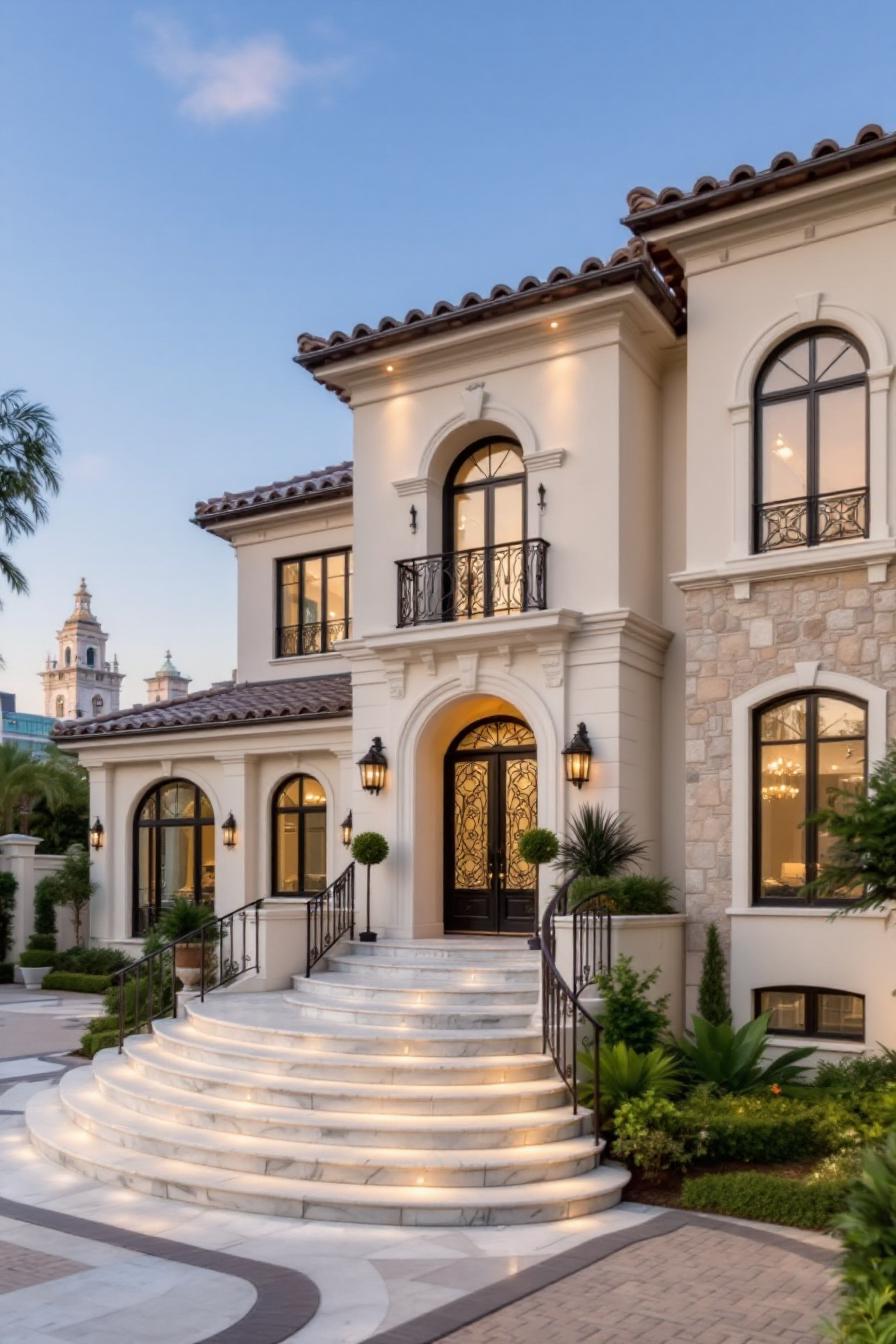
[[839, 620]]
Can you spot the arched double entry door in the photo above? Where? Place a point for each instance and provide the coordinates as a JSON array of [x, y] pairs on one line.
[[491, 795]]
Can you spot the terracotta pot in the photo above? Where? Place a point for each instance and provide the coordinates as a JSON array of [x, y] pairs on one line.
[[188, 963]]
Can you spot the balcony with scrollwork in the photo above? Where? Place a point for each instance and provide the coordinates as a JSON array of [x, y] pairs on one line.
[[294, 641], [840, 515], [468, 585]]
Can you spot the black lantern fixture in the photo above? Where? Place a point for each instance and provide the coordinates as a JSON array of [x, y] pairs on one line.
[[346, 829], [228, 830], [373, 767], [577, 755], [97, 834]]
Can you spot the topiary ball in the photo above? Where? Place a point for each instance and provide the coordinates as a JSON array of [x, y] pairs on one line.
[[369, 847], [538, 845]]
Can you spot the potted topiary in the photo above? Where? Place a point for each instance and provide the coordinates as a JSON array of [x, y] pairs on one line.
[[369, 848], [35, 963], [39, 956], [537, 846], [182, 918]]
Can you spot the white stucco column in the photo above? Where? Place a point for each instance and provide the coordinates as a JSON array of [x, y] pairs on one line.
[[17, 857], [102, 904], [236, 867]]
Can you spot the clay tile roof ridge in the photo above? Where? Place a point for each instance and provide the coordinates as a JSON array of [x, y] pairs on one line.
[[320, 481]]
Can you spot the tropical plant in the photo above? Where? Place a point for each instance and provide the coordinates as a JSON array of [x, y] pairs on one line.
[[628, 894], [182, 918], [64, 819], [860, 863], [859, 1073], [29, 451], [732, 1061], [599, 843], [8, 888], [24, 779], [650, 1133], [71, 885], [624, 1073], [868, 1226], [628, 1015], [712, 998]]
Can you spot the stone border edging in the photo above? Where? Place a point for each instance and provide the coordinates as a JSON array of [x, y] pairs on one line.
[[286, 1300], [435, 1325]]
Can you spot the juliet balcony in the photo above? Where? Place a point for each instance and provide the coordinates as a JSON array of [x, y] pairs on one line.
[[467, 585]]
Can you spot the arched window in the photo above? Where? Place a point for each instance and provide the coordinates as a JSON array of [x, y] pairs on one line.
[[68, 657], [805, 747], [811, 442], [97, 703], [485, 528], [60, 706], [91, 657], [299, 830], [174, 850], [806, 1010]]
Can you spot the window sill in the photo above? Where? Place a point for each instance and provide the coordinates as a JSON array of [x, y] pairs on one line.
[[830, 1043], [876, 553], [304, 659], [806, 912]]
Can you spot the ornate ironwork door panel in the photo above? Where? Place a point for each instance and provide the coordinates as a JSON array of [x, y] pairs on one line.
[[490, 799]]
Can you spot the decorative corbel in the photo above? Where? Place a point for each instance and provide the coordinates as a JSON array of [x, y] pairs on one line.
[[468, 666], [473, 396]]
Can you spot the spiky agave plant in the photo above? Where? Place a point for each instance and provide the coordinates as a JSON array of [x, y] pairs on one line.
[[599, 843]]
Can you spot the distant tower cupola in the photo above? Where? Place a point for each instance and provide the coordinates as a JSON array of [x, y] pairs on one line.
[[167, 683], [79, 682]]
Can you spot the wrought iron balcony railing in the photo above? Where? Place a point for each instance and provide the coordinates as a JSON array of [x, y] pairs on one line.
[[810, 520], [467, 585], [313, 637]]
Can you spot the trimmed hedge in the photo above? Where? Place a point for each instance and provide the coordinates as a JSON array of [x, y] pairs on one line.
[[37, 957], [102, 1034], [76, 983], [42, 942], [765, 1198], [92, 960], [7, 972], [765, 1128]]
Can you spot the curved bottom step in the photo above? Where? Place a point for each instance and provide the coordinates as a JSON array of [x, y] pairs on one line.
[[54, 1135]]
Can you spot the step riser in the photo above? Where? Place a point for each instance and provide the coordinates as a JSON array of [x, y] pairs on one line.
[[329, 987], [447, 953], [420, 977], [352, 1068], [382, 1099], [347, 1171], [373, 1044], [408, 1020]]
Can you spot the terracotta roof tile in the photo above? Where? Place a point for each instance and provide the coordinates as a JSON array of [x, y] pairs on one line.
[[631, 263], [245, 702], [649, 209], [327, 483]]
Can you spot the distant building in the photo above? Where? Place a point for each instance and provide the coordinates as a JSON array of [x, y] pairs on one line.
[[30, 731], [79, 683], [167, 683]]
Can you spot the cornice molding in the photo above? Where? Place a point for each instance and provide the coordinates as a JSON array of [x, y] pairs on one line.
[[833, 557]]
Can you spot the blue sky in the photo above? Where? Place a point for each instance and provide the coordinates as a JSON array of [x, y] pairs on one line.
[[186, 187]]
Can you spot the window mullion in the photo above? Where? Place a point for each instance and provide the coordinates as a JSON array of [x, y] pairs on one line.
[[811, 790]]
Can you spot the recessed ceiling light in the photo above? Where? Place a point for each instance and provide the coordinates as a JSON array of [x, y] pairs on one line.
[[554, 325], [390, 368]]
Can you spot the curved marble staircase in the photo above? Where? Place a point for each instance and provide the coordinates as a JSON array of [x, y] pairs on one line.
[[402, 1083]]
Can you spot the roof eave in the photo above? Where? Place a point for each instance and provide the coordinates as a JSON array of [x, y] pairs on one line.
[[210, 522], [258, 720]]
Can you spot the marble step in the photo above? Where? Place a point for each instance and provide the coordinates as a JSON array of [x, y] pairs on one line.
[[183, 1040], [417, 975], [476, 951], [320, 1095], [329, 986], [236, 1017], [101, 1108], [53, 1134], [410, 1017]]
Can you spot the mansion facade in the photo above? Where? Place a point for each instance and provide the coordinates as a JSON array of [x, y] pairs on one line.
[[655, 496]]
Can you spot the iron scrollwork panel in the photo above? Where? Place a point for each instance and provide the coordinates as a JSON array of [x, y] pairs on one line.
[[471, 812], [520, 814]]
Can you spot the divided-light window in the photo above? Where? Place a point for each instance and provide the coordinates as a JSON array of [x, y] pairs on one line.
[[800, 1010], [313, 603]]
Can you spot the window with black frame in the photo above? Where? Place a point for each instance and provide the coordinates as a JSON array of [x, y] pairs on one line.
[[807, 747], [174, 850], [806, 1010], [299, 831], [811, 443], [313, 603]]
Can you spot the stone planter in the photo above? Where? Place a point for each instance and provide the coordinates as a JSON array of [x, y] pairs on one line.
[[33, 976], [188, 964]]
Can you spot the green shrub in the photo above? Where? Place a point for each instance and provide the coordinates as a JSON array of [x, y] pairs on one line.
[[868, 1224], [370, 848], [538, 845], [732, 1061], [866, 1318], [7, 972], [181, 918], [712, 998], [102, 1034], [599, 843], [765, 1128], [74, 983], [45, 909], [42, 942], [37, 957], [651, 1134], [92, 960], [102, 1031], [766, 1198], [8, 888], [625, 1074], [628, 1014], [631, 894], [859, 1073]]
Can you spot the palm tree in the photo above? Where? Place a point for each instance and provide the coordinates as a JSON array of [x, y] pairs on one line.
[[25, 778], [29, 450]]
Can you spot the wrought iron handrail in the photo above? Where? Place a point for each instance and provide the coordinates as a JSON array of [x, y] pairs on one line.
[[566, 1022], [311, 637], [331, 914], [223, 957], [464, 585], [833, 515]]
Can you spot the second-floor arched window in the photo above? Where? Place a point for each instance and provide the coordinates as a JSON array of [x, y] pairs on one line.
[[485, 526], [811, 454]]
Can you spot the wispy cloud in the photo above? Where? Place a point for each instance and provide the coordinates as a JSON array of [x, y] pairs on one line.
[[246, 79]]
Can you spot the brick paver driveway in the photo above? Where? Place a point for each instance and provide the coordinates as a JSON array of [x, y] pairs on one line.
[[696, 1284]]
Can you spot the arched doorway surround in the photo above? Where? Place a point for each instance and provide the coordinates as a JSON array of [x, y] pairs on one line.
[[490, 798]]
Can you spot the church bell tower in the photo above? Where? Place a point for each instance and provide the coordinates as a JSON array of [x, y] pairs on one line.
[[79, 683]]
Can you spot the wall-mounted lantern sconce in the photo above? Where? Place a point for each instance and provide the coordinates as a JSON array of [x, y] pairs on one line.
[[346, 829], [542, 495], [577, 757], [413, 519], [373, 767], [228, 830], [97, 834]]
